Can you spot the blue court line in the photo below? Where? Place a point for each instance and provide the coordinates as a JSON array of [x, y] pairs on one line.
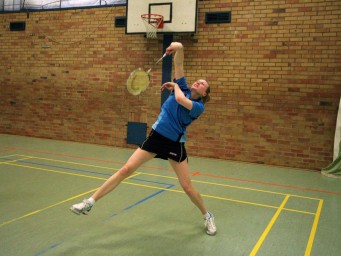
[[148, 197], [84, 171], [143, 200], [137, 179], [50, 248], [65, 168]]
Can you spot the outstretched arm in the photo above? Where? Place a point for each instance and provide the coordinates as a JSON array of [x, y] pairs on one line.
[[178, 49]]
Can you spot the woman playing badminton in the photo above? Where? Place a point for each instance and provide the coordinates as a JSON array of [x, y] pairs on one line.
[[167, 138]]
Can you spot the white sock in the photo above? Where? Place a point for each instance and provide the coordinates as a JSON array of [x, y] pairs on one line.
[[207, 215], [92, 201]]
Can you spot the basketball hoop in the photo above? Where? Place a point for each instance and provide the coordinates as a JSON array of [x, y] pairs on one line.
[[152, 22]]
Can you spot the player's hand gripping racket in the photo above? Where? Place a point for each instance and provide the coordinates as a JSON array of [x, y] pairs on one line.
[[138, 80]]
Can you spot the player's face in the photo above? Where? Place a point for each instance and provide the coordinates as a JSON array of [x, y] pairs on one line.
[[200, 86]]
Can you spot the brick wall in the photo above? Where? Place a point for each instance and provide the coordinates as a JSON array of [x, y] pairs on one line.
[[275, 74]]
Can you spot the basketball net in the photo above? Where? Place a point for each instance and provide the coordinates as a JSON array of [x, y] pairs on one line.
[[152, 22]]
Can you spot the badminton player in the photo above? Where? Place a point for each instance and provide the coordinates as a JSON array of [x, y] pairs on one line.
[[167, 138]]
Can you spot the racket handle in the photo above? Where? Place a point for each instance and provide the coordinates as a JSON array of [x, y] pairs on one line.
[[164, 55]]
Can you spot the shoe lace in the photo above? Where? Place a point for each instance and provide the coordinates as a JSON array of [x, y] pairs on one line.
[[87, 205], [209, 222]]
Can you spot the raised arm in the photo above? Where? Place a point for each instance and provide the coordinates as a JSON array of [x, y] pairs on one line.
[[179, 95], [177, 49]]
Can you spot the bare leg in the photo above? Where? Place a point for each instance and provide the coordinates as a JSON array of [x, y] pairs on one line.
[[137, 159], [181, 170]]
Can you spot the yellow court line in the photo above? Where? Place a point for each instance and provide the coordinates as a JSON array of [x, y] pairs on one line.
[[67, 173], [232, 186], [219, 184], [204, 195], [313, 229], [257, 204], [268, 228], [260, 241], [75, 163], [305, 197], [60, 172], [135, 184], [46, 208], [299, 211], [53, 205], [163, 176], [141, 185], [13, 161], [8, 156], [171, 177], [148, 186]]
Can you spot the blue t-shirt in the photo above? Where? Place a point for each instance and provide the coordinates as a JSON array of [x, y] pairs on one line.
[[174, 118]]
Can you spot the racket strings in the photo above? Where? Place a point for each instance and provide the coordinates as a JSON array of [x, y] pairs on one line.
[[138, 81]]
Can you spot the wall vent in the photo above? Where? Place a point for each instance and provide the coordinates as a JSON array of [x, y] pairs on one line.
[[120, 22], [218, 17], [136, 133], [17, 26]]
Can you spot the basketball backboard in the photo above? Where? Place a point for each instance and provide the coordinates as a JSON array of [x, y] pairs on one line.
[[180, 16]]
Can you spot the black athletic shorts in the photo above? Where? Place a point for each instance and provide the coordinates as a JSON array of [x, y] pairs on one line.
[[164, 148]]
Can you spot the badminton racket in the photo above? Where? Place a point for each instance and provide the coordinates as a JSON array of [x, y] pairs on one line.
[[139, 80]]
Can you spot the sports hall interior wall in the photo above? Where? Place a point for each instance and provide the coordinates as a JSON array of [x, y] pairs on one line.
[[275, 74]]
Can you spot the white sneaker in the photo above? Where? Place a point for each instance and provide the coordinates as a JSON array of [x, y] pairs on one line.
[[210, 225], [83, 207]]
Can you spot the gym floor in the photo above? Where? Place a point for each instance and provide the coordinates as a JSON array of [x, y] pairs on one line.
[[259, 209]]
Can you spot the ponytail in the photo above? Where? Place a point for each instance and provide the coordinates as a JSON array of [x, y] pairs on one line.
[[207, 98]]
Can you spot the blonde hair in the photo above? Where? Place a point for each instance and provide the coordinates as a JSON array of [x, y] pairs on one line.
[[207, 98]]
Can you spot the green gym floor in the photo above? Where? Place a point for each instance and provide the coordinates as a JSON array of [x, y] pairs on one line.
[[259, 209]]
